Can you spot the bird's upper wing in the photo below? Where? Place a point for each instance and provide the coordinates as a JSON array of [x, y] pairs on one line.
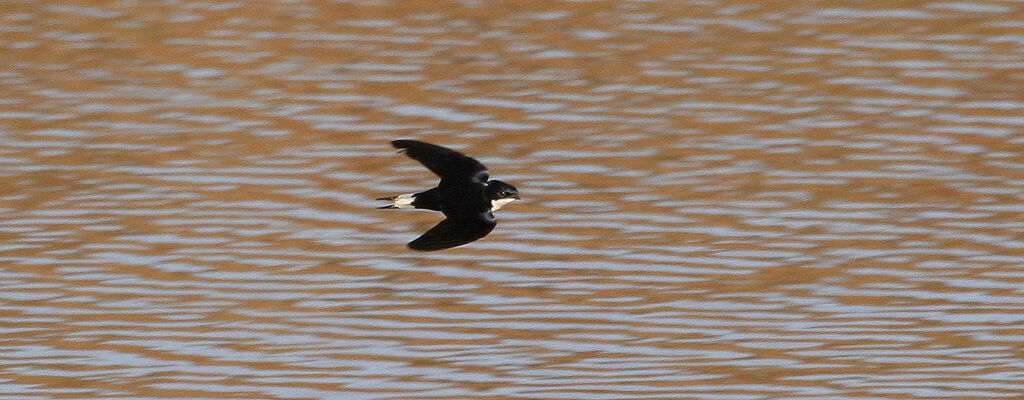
[[454, 232], [446, 163]]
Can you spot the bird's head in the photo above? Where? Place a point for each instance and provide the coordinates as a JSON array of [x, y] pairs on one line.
[[501, 193]]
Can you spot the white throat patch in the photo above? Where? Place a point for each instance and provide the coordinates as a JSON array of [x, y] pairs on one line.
[[496, 204]]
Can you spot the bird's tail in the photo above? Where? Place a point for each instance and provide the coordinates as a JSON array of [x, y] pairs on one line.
[[399, 201]]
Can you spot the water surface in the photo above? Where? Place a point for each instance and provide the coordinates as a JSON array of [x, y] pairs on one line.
[[722, 200]]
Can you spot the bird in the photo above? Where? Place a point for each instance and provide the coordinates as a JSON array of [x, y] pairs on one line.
[[465, 195]]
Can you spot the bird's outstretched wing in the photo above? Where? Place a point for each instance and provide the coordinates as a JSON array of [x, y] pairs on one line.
[[448, 164], [454, 232]]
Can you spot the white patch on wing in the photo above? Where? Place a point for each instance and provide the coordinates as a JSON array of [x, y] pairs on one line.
[[496, 204]]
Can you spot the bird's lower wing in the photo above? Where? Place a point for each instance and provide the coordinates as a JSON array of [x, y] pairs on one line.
[[450, 233]]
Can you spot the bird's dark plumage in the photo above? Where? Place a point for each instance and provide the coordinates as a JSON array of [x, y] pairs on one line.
[[451, 232], [446, 163], [465, 196]]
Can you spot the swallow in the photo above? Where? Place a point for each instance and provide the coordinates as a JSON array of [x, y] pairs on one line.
[[465, 195]]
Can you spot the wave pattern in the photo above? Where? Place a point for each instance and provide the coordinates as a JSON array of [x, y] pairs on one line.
[[727, 200]]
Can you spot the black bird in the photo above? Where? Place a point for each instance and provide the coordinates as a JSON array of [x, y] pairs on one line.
[[465, 196]]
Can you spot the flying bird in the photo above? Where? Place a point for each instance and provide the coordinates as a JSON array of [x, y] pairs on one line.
[[465, 196]]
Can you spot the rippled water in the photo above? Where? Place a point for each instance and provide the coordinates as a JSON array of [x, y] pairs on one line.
[[722, 200]]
